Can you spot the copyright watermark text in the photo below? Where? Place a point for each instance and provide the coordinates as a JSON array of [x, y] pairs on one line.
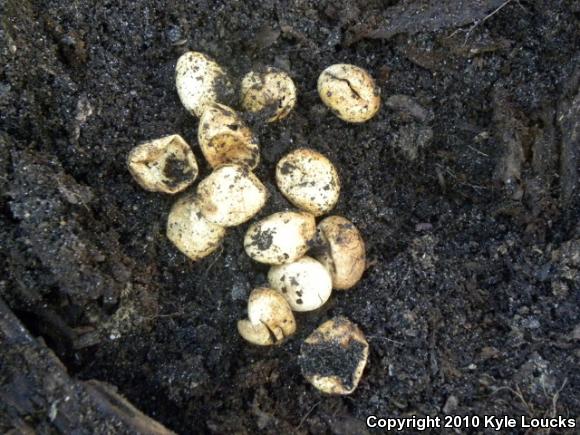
[[469, 422]]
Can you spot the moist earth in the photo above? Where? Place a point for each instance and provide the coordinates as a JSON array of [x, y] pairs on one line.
[[464, 187]]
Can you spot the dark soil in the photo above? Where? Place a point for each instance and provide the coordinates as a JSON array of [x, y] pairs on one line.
[[464, 187]]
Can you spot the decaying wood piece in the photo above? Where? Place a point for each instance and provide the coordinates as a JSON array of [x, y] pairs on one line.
[[513, 134], [569, 122], [416, 16], [38, 396]]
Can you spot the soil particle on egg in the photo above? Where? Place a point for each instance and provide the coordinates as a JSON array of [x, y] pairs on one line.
[[333, 357]]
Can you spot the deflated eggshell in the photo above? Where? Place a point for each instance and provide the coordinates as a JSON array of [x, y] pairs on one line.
[[201, 81], [341, 250], [350, 92], [270, 90], [270, 319], [305, 283], [334, 356], [163, 165], [231, 195], [190, 232], [280, 238], [225, 138], [308, 180]]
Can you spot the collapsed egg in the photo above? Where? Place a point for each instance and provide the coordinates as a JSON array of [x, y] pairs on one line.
[[341, 250], [270, 319], [224, 138], [305, 283], [164, 165], [334, 356], [280, 238], [308, 180]]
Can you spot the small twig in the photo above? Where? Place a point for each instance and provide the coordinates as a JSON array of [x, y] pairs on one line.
[[477, 23], [166, 316], [376, 337], [407, 275], [532, 413], [556, 397], [477, 151], [521, 6], [370, 263], [474, 186], [520, 396], [307, 415], [212, 264]]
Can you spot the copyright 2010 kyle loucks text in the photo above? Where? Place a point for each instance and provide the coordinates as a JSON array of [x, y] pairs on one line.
[[469, 422]]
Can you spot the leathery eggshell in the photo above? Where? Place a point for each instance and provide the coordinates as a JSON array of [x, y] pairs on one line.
[[231, 195], [334, 356], [163, 165], [282, 237], [270, 90], [224, 138], [305, 283], [190, 232], [201, 81], [350, 92], [270, 319], [341, 250], [308, 180]]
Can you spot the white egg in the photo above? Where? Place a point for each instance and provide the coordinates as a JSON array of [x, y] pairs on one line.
[[282, 237], [190, 232], [305, 283], [308, 180], [231, 195], [350, 92], [201, 81]]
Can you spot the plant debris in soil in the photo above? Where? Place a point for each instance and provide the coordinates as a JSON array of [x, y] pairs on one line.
[[464, 187]]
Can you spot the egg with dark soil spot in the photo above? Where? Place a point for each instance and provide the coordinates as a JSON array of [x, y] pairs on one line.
[[280, 238], [224, 138], [163, 165], [334, 356], [200, 81], [308, 180], [308, 284]]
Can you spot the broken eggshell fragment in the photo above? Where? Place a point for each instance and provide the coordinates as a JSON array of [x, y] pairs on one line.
[[270, 319], [334, 356], [350, 92], [190, 232], [164, 165], [308, 180], [341, 249], [231, 195], [224, 138], [268, 90], [305, 283], [282, 237], [200, 81]]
